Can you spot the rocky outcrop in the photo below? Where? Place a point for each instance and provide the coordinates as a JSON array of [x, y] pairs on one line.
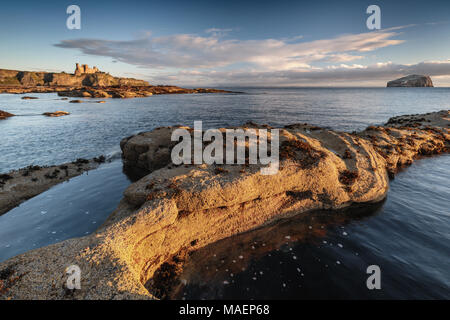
[[175, 210], [56, 113], [4, 115], [413, 80], [85, 82], [20, 185], [91, 78], [126, 91]]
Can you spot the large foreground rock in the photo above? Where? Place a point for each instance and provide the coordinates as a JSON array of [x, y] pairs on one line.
[[174, 210], [413, 80]]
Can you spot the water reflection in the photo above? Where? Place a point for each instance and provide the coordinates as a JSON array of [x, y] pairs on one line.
[[210, 269], [326, 255]]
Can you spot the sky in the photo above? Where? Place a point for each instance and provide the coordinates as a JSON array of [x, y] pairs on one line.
[[232, 43]]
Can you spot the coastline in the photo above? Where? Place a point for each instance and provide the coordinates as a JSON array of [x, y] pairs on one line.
[[153, 228], [20, 185], [119, 91]]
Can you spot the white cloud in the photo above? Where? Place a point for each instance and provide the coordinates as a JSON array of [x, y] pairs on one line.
[[212, 60], [189, 51], [377, 74]]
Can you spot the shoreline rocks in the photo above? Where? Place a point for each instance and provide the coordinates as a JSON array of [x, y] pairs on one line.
[[120, 91], [22, 184], [175, 210], [92, 78], [56, 113], [85, 82], [5, 115], [413, 80]]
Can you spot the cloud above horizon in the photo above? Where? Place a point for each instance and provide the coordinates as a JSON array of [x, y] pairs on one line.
[[215, 59]]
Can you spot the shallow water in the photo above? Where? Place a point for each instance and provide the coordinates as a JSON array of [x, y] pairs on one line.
[[68, 210], [408, 236]]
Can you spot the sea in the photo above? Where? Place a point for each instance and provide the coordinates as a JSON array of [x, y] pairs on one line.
[[322, 255]]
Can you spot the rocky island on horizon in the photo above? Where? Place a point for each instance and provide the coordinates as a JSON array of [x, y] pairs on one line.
[[412, 80]]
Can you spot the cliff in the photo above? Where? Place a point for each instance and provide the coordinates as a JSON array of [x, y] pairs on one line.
[[32, 79], [413, 80]]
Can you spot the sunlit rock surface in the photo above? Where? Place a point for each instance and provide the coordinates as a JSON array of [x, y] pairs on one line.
[[174, 210]]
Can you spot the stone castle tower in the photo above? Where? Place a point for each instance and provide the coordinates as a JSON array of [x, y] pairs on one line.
[[84, 69]]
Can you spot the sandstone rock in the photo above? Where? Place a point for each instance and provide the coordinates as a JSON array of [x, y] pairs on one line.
[[177, 209], [87, 83], [20, 185], [4, 115], [56, 114], [31, 78], [413, 80], [29, 98], [88, 77]]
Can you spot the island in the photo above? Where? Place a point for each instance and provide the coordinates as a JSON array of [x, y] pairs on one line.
[[413, 80]]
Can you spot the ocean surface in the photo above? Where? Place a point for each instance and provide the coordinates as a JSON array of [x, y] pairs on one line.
[[407, 235]]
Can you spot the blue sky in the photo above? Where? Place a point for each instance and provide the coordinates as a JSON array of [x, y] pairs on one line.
[[268, 43]]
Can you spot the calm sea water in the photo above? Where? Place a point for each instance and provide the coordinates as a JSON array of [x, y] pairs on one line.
[[94, 128], [407, 236]]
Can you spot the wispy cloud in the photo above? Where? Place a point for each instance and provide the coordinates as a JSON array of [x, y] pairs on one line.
[[189, 51], [217, 32]]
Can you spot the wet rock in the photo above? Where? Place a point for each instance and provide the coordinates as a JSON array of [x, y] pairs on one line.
[[29, 98], [20, 185], [4, 115], [56, 114], [138, 252]]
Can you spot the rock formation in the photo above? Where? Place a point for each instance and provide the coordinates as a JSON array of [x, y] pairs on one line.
[[128, 91], [20, 185], [83, 76], [85, 82], [56, 113], [175, 210], [413, 80], [4, 115]]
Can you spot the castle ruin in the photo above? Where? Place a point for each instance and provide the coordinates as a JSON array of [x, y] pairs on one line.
[[84, 69]]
